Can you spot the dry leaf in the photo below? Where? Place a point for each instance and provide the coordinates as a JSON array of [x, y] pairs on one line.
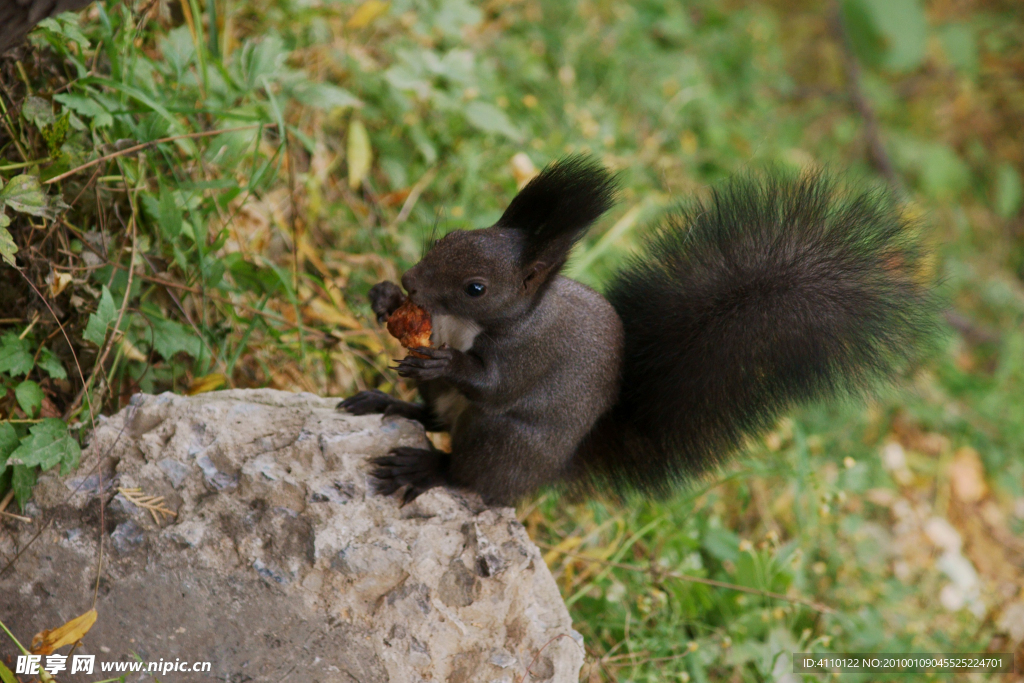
[[155, 504], [201, 385], [366, 13], [320, 311], [57, 282], [523, 169], [45, 642], [359, 153], [967, 476]]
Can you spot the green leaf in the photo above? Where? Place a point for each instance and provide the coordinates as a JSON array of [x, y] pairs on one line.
[[15, 358], [490, 119], [6, 675], [66, 29], [359, 153], [22, 482], [325, 96], [25, 195], [7, 246], [106, 313], [1009, 191], [170, 338], [960, 47], [49, 443], [30, 397], [38, 111], [8, 442], [904, 29], [87, 107], [169, 215], [54, 368]]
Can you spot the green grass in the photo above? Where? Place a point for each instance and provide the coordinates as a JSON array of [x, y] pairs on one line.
[[317, 145]]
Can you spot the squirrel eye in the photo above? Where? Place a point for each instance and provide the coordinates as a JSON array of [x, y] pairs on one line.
[[475, 289]]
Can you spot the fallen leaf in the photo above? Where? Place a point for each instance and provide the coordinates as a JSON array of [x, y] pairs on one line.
[[523, 169], [45, 642], [366, 13], [57, 282], [206, 383], [967, 476], [320, 311]]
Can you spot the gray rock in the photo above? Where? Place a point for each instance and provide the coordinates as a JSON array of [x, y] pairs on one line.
[[278, 564]]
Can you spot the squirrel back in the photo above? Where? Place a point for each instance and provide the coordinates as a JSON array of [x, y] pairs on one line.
[[773, 292]]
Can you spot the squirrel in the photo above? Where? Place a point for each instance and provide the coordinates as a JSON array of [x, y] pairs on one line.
[[775, 291]]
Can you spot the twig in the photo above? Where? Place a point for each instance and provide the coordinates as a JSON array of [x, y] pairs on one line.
[[816, 606], [117, 326], [7, 500], [27, 520], [151, 143], [414, 195], [879, 157]]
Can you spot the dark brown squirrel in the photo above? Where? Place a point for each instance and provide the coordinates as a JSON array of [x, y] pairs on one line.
[[775, 291]]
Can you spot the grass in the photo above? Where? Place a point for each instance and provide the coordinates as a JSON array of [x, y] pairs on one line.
[[264, 164]]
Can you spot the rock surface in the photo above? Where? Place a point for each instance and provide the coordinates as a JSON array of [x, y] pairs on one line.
[[278, 565]]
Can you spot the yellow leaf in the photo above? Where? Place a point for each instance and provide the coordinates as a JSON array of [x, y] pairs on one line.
[[523, 169], [45, 642], [359, 153], [201, 385], [321, 311], [367, 12]]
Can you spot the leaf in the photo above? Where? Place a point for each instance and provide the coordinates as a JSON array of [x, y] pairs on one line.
[[38, 111], [903, 28], [30, 397], [169, 215], [66, 29], [54, 367], [15, 358], [1009, 191], [49, 443], [490, 119], [325, 96], [22, 482], [960, 46], [8, 443], [46, 642], [170, 338], [7, 246], [87, 107], [105, 315], [367, 12], [24, 194], [6, 675], [360, 155], [207, 383]]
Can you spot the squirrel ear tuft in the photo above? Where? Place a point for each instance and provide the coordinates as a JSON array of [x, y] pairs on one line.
[[555, 209]]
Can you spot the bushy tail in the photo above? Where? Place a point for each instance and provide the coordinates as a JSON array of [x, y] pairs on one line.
[[773, 292]]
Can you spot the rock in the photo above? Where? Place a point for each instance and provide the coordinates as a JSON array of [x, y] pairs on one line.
[[273, 561]]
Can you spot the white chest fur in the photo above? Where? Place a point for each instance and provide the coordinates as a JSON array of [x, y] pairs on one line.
[[456, 332]]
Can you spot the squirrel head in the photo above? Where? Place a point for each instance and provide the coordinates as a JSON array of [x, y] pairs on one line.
[[500, 272]]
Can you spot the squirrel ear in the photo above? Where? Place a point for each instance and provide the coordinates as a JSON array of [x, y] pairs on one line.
[[535, 275], [555, 209]]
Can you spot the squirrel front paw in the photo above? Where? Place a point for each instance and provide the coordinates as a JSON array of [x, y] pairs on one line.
[[369, 402], [419, 469], [434, 366], [385, 297]]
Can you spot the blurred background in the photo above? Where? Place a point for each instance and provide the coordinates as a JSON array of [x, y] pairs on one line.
[[197, 195]]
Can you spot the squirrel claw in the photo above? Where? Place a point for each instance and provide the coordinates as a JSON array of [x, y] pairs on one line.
[[418, 469], [366, 403], [435, 364]]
